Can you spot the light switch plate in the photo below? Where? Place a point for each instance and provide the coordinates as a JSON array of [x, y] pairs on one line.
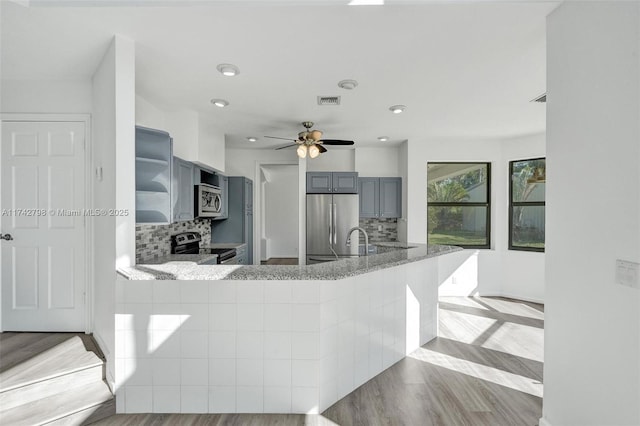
[[628, 273]]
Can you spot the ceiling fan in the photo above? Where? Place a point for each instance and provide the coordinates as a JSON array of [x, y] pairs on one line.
[[309, 141]]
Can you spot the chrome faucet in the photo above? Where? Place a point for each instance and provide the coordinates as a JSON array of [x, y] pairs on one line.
[[366, 238]]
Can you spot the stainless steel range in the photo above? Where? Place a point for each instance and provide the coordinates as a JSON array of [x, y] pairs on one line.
[[189, 243]]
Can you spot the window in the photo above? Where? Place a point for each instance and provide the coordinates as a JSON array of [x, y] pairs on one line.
[[526, 204], [458, 206]]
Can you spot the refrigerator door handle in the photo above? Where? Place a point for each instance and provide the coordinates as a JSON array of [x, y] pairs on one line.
[[335, 227], [330, 222]]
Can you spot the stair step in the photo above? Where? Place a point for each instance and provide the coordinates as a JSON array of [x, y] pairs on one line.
[[82, 401], [88, 416], [64, 358], [42, 389]]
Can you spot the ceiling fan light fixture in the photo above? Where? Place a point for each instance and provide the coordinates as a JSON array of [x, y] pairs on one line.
[[314, 151], [315, 135], [228, 70], [252, 139], [348, 84], [397, 109], [302, 151], [383, 138], [220, 103]]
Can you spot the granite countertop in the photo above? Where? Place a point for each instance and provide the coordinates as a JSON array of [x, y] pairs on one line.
[[392, 254]]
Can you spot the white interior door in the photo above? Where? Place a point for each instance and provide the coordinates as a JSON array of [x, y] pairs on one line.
[[43, 267]]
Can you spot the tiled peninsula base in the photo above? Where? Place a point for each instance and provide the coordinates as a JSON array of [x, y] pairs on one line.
[[266, 346]]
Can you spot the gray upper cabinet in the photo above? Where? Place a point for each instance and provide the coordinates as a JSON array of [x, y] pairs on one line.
[[380, 197], [369, 190], [318, 182], [332, 182], [223, 182], [182, 190], [248, 191], [345, 182], [153, 176], [391, 197]]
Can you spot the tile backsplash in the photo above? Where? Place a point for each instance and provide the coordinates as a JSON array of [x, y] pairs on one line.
[[389, 230], [154, 241]]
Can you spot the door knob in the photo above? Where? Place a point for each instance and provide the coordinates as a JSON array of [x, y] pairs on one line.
[[7, 237]]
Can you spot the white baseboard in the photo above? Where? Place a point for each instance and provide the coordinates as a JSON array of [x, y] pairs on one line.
[[543, 422], [110, 379]]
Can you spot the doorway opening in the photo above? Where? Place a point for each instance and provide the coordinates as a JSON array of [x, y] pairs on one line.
[[279, 240]]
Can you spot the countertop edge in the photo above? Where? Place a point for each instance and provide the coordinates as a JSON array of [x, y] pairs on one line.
[[345, 268]]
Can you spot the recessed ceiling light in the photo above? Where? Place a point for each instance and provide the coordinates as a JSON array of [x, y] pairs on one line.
[[348, 84], [252, 139], [228, 70], [383, 138], [397, 109], [220, 103]]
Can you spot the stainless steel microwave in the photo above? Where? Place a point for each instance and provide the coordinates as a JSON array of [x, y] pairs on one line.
[[209, 200]]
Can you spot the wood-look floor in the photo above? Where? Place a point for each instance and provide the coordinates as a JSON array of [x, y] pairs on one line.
[[280, 261], [485, 368]]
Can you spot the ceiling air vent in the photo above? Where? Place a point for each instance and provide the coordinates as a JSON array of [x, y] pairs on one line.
[[542, 98], [328, 100]]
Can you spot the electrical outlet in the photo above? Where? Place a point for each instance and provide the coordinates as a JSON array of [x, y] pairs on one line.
[[380, 228], [627, 273]]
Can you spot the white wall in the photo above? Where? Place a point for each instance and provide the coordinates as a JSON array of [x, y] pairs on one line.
[[148, 115], [592, 326], [334, 160], [113, 151], [281, 211], [377, 162], [211, 144], [522, 272], [196, 138], [183, 128], [498, 271], [39, 96], [403, 172], [242, 162]]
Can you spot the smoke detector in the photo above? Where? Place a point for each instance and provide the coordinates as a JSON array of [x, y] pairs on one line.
[[348, 84]]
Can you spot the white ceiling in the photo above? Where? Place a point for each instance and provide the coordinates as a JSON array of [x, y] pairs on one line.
[[464, 69]]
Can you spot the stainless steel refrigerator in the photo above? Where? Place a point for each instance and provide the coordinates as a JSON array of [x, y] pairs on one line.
[[329, 218]]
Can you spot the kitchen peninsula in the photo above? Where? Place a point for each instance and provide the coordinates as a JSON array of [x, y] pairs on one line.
[[272, 339]]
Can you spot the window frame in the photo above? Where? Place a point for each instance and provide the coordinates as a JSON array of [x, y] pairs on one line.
[[487, 204], [513, 204]]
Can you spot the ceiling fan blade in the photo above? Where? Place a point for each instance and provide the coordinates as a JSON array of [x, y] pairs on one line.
[[336, 142], [287, 146], [284, 139], [321, 148]]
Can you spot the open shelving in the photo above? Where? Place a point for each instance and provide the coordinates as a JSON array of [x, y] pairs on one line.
[[153, 176]]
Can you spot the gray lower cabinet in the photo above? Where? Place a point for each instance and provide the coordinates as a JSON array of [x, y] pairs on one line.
[[380, 197], [238, 226], [182, 190], [332, 182], [154, 158], [241, 255]]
